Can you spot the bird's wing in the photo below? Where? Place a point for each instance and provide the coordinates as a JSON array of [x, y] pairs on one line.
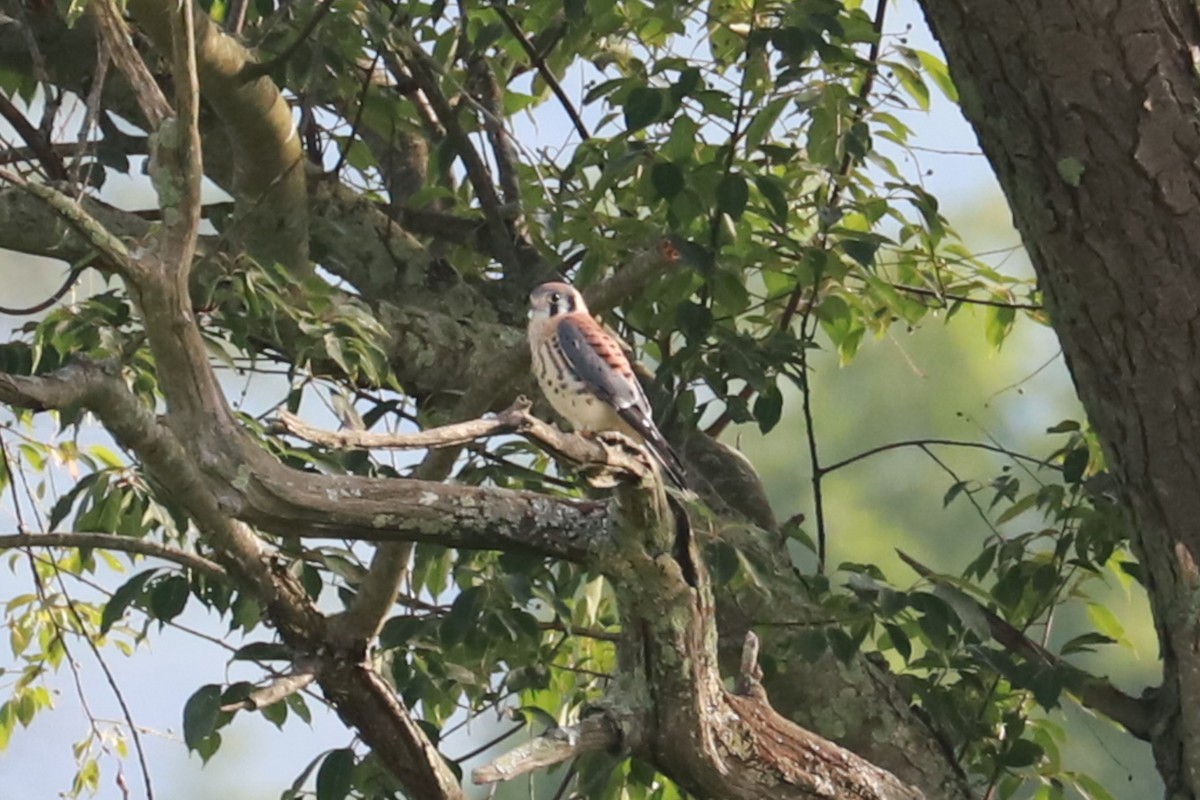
[[597, 359]]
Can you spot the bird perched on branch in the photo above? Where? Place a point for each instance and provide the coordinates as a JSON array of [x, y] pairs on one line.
[[586, 376]]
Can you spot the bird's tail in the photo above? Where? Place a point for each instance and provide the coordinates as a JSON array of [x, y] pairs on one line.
[[666, 456]]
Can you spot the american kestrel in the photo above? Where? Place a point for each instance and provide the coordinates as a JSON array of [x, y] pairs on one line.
[[585, 375]]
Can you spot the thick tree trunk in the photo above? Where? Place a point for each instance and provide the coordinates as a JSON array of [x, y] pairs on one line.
[[1087, 110]]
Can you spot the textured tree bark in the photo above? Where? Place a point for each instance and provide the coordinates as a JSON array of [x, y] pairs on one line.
[[1087, 111]]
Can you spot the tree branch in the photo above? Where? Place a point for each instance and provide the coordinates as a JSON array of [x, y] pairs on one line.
[[501, 237], [268, 161], [593, 733], [111, 27], [883, 448], [360, 696], [50, 161], [604, 460], [279, 689], [127, 544], [183, 170], [116, 257], [539, 63]]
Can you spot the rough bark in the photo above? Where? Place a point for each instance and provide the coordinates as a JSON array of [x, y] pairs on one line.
[[1087, 112]]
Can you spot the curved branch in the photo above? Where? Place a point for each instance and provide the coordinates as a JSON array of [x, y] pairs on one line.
[[59, 293], [883, 448], [269, 176], [127, 544], [116, 257]]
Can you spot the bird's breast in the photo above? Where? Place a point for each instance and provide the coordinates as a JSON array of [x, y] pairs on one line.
[[571, 396]]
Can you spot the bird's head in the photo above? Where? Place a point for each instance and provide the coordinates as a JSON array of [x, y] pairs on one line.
[[554, 299]]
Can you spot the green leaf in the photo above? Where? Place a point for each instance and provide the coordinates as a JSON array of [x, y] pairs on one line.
[[900, 641], [1106, 622], [463, 615], [122, 598], [667, 179], [200, 715], [276, 713], [1085, 643], [299, 707], [334, 776], [264, 651], [954, 491], [998, 323], [64, 504], [168, 597], [1075, 464], [935, 68], [760, 126], [1089, 787], [732, 195], [772, 190], [1023, 753], [913, 83], [208, 746], [689, 80], [642, 107], [768, 408]]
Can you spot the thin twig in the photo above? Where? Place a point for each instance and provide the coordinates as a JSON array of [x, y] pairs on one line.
[[58, 294], [49, 159], [540, 64], [425, 74], [358, 117], [954, 298], [488, 745], [94, 98], [810, 428], [883, 448], [970, 495], [125, 544]]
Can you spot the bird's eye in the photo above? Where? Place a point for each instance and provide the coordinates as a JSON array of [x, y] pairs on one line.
[[555, 298]]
